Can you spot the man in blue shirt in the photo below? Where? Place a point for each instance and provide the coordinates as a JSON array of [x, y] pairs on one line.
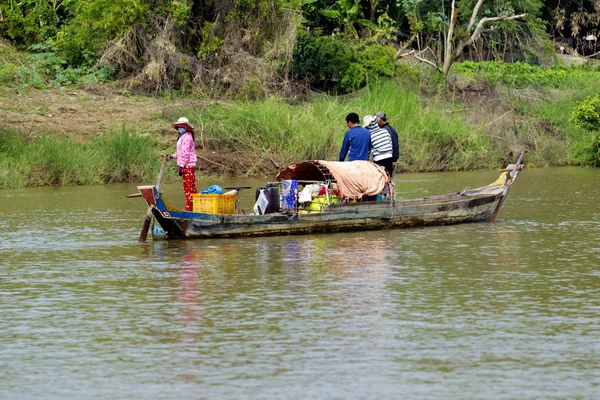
[[357, 140]]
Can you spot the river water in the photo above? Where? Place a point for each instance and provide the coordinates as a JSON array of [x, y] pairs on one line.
[[507, 310]]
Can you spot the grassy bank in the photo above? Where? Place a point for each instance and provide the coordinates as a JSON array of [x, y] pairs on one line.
[[119, 156], [436, 132], [430, 137]]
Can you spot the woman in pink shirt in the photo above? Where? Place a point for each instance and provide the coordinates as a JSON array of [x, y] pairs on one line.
[[186, 159]]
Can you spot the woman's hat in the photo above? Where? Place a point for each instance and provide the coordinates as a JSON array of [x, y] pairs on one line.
[[183, 123], [367, 120]]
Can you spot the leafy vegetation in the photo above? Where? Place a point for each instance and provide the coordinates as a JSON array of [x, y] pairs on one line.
[[228, 48], [520, 74], [336, 66], [586, 115]]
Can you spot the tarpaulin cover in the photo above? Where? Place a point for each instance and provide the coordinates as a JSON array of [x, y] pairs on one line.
[[354, 178]]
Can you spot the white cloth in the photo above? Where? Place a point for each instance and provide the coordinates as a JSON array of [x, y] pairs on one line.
[[305, 196], [261, 203]]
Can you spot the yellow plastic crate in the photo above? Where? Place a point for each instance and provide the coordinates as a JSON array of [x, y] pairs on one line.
[[214, 203]]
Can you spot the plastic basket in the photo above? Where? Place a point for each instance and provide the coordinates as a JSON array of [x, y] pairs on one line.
[[214, 203]]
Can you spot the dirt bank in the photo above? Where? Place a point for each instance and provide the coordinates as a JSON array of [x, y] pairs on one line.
[[82, 113], [79, 113]]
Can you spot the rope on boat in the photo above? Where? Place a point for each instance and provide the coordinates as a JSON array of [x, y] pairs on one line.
[[392, 189]]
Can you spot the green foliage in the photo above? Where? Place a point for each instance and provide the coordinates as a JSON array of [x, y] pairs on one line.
[[338, 66], [210, 42], [29, 76], [8, 73], [179, 10], [586, 115], [521, 74], [95, 23], [384, 31], [377, 60], [323, 60], [43, 66], [27, 22], [344, 13], [587, 151]]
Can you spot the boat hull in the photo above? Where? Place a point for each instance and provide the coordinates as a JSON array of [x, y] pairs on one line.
[[336, 218]]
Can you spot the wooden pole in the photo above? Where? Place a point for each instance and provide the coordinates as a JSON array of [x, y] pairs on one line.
[[148, 217]]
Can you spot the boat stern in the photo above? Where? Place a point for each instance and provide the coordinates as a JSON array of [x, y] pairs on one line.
[[149, 194]]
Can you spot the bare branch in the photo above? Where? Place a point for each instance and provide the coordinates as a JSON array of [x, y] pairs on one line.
[[398, 55], [479, 29], [426, 61], [483, 21], [474, 15], [498, 119], [593, 55], [417, 56]]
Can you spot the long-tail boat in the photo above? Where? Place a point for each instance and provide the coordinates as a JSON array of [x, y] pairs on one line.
[[353, 185]]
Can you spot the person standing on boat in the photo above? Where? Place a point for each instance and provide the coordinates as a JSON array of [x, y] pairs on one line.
[[381, 143], [357, 140], [394, 136], [186, 159]]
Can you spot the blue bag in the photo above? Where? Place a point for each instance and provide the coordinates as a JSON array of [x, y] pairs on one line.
[[214, 189]]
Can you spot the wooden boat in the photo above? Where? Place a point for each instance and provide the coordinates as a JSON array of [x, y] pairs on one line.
[[473, 205]]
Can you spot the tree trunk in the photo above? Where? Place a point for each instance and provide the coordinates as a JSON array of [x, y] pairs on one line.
[[450, 56]]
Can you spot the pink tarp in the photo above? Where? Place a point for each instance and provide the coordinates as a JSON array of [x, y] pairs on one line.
[[354, 178]]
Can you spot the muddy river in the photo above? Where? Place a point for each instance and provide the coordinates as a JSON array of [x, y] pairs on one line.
[[507, 310]]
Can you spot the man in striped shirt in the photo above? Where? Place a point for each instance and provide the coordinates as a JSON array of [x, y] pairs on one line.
[[383, 124], [381, 144]]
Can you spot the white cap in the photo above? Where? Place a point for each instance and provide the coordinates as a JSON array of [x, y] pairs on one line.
[[183, 120], [367, 120]]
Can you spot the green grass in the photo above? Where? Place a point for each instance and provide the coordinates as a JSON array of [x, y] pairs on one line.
[[433, 136], [429, 139], [521, 74], [556, 140], [120, 156]]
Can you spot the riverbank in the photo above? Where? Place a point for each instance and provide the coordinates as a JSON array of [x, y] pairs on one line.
[[102, 134]]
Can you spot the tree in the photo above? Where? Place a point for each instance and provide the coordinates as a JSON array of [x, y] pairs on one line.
[[476, 29], [345, 13]]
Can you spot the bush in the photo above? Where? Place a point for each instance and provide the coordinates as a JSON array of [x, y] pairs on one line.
[[338, 66], [322, 60], [586, 115], [8, 73], [81, 40]]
